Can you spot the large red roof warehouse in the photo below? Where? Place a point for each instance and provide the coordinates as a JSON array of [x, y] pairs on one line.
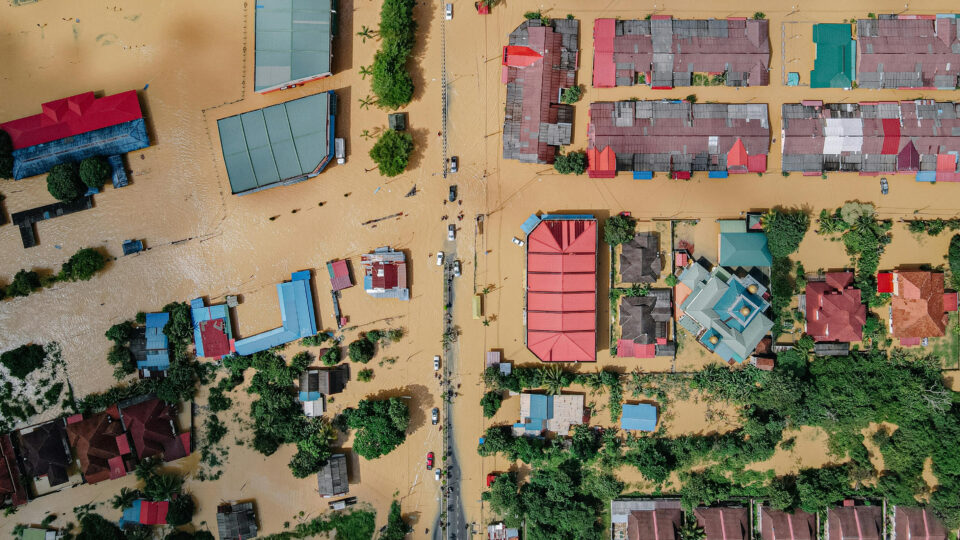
[[562, 289]]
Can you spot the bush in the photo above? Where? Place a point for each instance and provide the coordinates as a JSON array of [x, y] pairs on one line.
[[361, 350], [82, 265], [392, 152], [692, 98], [331, 357], [619, 230], [24, 283], [571, 163], [6, 155], [572, 95], [181, 510], [23, 360], [490, 402], [63, 182], [365, 375], [95, 171], [671, 280]]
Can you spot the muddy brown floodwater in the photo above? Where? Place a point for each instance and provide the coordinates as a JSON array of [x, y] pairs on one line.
[[191, 64]]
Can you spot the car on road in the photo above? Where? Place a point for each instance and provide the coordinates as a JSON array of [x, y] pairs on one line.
[[435, 416], [439, 258], [436, 362], [451, 232], [454, 164], [429, 460], [517, 241], [452, 196], [436, 475], [456, 268], [884, 187], [449, 12]]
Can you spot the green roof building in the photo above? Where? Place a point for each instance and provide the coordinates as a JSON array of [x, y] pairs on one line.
[[293, 42], [836, 61], [279, 145]]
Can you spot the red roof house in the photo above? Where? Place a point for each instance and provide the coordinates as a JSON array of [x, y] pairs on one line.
[[562, 289], [154, 513], [656, 524], [214, 338], [724, 523], [854, 523], [918, 524], [834, 310], [151, 426], [339, 275], [72, 116], [917, 305], [778, 525], [95, 442], [11, 489]]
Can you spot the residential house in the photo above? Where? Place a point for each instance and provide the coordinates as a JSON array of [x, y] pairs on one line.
[[639, 417], [724, 523], [665, 52], [339, 275], [296, 314], [645, 325], [919, 308], [742, 247], [539, 413], [40, 533], [144, 512], [561, 289], [725, 312], [913, 523], [315, 385], [153, 360], [640, 259], [151, 425], [539, 62], [645, 519], [499, 531], [677, 137], [237, 521], [834, 312], [908, 51], [46, 454], [212, 335], [385, 274], [12, 491], [836, 56], [332, 479], [100, 445], [779, 525], [849, 522]]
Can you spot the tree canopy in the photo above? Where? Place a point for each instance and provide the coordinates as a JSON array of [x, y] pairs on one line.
[[95, 171], [23, 360], [571, 163], [392, 152], [24, 282], [391, 81], [396, 528], [619, 229], [82, 265], [63, 182], [380, 424], [361, 350], [785, 230]]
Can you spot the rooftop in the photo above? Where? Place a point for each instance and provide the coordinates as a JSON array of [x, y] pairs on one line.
[[744, 249], [212, 335], [278, 145], [332, 478], [293, 42], [237, 521], [834, 309], [296, 314], [539, 412], [855, 522], [918, 524], [561, 290], [101, 446], [908, 51], [834, 66], [45, 451], [645, 325], [724, 523], [917, 309], [639, 417], [640, 259], [150, 424], [385, 274], [339, 275], [157, 352], [778, 525], [11, 487]]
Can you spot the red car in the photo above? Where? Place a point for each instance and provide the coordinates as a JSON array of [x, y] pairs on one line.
[[429, 460]]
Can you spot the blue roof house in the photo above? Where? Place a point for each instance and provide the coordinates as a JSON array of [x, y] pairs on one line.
[[296, 314], [212, 334], [639, 417], [158, 349], [744, 249]]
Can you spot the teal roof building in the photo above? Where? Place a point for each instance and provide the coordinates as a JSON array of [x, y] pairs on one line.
[[293, 42], [639, 417], [744, 249], [836, 63], [278, 145]]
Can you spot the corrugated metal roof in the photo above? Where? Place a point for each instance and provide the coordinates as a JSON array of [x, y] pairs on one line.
[[293, 42]]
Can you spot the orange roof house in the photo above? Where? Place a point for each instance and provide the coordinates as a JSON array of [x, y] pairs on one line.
[[917, 306], [834, 311]]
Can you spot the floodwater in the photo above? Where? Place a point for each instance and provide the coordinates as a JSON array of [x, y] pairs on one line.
[[190, 60]]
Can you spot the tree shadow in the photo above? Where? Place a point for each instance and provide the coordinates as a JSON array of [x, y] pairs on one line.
[[423, 15], [420, 144]]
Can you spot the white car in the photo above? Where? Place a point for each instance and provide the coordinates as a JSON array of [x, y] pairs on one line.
[[439, 258], [449, 12], [456, 268], [436, 474], [451, 232], [517, 241], [436, 363]]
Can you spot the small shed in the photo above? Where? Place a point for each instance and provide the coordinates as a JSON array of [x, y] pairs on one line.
[[237, 521], [339, 275], [639, 417], [332, 479], [397, 121]]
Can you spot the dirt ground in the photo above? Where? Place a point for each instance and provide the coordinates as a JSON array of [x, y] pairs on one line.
[[191, 64]]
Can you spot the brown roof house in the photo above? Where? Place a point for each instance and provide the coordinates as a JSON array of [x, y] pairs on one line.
[[151, 426], [778, 525], [854, 523], [332, 479], [645, 325], [643, 519], [101, 445], [237, 521], [834, 311], [908, 51], [640, 259], [917, 309], [12, 491], [724, 523], [917, 524], [539, 62], [46, 453]]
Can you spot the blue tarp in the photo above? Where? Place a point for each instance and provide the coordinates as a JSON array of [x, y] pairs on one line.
[[927, 176], [643, 175], [640, 417], [296, 314], [718, 174], [530, 224], [109, 141]]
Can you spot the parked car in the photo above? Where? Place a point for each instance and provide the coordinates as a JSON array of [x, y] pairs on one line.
[[451, 231], [435, 416], [453, 193], [436, 362], [439, 258], [449, 12], [884, 187], [429, 460], [454, 164], [517, 241], [456, 268], [436, 474], [338, 146]]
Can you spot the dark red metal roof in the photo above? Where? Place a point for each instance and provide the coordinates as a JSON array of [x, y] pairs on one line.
[[214, 338]]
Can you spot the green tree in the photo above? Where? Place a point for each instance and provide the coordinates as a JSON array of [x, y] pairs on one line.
[[361, 350], [505, 500], [121, 332], [122, 361], [585, 442], [490, 402], [692, 98], [953, 258], [24, 282], [365, 375], [95, 171], [392, 152], [619, 229], [96, 527], [671, 280], [23, 360], [759, 15], [785, 230], [82, 265], [161, 487], [124, 499], [331, 356], [63, 182], [396, 528], [690, 530], [572, 95], [181, 510], [553, 379], [380, 426], [571, 163]]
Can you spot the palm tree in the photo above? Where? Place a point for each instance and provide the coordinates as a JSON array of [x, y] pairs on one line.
[[326, 432], [552, 379], [146, 467], [124, 499], [487, 289], [690, 530], [364, 71], [163, 486], [486, 322], [366, 32], [365, 102]]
